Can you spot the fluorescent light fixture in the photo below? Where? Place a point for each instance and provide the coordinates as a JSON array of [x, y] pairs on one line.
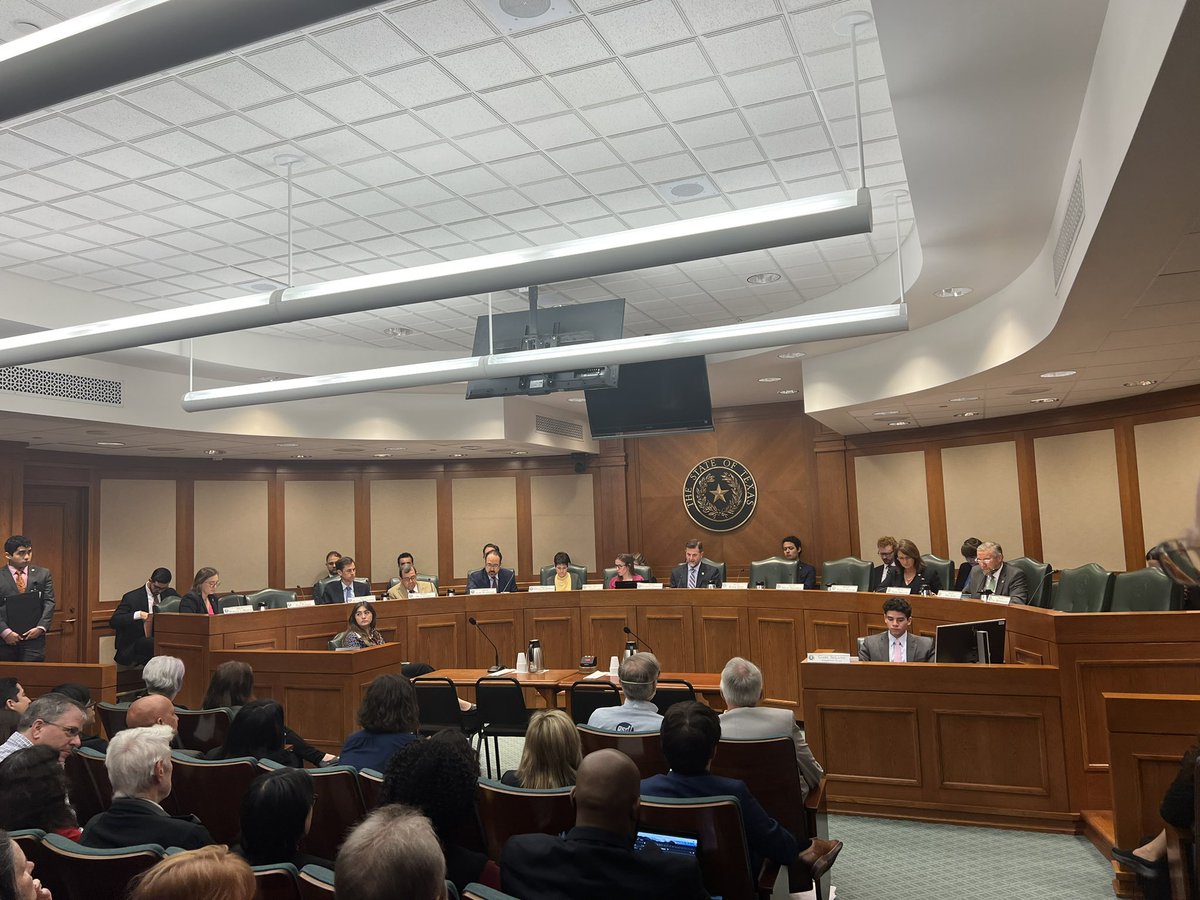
[[760, 228], [700, 342]]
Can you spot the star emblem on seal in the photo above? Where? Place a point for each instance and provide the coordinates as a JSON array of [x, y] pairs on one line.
[[719, 494]]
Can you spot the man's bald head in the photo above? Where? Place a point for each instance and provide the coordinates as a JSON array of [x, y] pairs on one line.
[[606, 792], [153, 709]]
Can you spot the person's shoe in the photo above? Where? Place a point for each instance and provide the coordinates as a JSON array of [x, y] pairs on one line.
[[1143, 868], [820, 856]]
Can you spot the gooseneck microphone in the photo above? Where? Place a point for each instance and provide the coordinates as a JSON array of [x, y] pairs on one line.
[[497, 667], [633, 634]]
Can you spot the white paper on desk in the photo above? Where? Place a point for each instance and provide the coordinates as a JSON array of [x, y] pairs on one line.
[[649, 585], [501, 673], [593, 587], [950, 595], [230, 610], [540, 588], [735, 585], [783, 586], [295, 604], [844, 588], [475, 591], [999, 598], [595, 676], [898, 590]]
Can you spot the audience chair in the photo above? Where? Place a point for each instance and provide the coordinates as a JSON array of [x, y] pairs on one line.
[[578, 576], [720, 566], [944, 568], [475, 891], [93, 761], [1146, 590], [644, 749], [338, 641], [773, 571], [1085, 589], [1038, 577], [170, 605], [586, 697], [85, 797], [112, 717], [88, 872], [203, 729], [276, 882], [724, 856], [271, 598], [502, 712], [671, 691], [847, 570], [44, 861], [507, 811], [316, 883], [437, 703], [370, 782], [212, 791], [340, 808]]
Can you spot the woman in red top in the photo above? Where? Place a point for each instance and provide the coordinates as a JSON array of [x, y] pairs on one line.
[[33, 793], [625, 571]]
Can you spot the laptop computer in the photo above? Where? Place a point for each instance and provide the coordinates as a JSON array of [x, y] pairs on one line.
[[679, 844]]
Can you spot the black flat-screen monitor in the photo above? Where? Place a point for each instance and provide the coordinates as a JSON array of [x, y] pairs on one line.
[[660, 397], [970, 642]]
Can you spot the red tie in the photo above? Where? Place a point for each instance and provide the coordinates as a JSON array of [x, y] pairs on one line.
[[21, 581]]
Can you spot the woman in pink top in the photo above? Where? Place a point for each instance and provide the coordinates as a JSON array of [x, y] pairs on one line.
[[625, 572]]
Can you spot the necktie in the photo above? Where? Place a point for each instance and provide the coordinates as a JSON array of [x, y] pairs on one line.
[[350, 591], [21, 581], [691, 577], [991, 583], [494, 585], [897, 652]]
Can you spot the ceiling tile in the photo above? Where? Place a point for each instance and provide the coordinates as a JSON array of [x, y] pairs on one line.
[[79, 175], [233, 133], [48, 218], [471, 181], [718, 129], [442, 25], [754, 45], [340, 146], [498, 144], [635, 199], [640, 25], [232, 206], [487, 66], [33, 187], [741, 179], [582, 157], [838, 102], [566, 44], [810, 165], [437, 158], [669, 66], [418, 192], [449, 211], [65, 135], [603, 181], [352, 102], [185, 215], [526, 169], [233, 83], [831, 68], [327, 183], [554, 190], [179, 148], [595, 84], [727, 156], [501, 201], [379, 171], [174, 101], [117, 119], [458, 117], [693, 100], [232, 172], [711, 15], [668, 168], [298, 65], [290, 117], [477, 229], [367, 203], [396, 132], [768, 83], [530, 100], [366, 45], [134, 196], [624, 115], [23, 153], [556, 131], [418, 84]]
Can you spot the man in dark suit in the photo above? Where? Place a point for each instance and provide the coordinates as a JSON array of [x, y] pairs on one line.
[[887, 565], [694, 573], [993, 578], [493, 575], [133, 620], [139, 767], [897, 644], [596, 858], [805, 574], [19, 577], [345, 588]]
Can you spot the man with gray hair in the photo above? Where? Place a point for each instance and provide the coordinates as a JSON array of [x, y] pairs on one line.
[[639, 680], [163, 675], [54, 720], [394, 845], [993, 578], [139, 767], [409, 585], [742, 687]]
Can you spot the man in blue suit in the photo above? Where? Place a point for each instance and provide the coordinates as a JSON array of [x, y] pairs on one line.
[[345, 588], [493, 575], [694, 573]]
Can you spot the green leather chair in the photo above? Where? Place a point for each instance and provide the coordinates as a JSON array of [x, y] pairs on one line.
[[233, 600], [1146, 590], [719, 565], [1086, 589], [848, 570], [338, 641], [1037, 577], [578, 576], [170, 605], [272, 598], [944, 568], [772, 571]]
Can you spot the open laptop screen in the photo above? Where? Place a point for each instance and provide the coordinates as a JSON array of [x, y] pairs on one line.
[[682, 844]]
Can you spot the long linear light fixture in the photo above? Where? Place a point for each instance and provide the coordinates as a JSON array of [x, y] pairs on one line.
[[134, 38], [700, 342], [759, 228]]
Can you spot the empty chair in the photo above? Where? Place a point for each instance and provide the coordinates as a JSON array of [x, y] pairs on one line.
[[370, 782], [338, 641], [271, 598], [587, 696], [578, 575], [98, 874], [437, 704], [719, 566], [507, 811], [316, 883], [502, 711], [232, 600], [203, 729], [277, 882], [170, 605], [671, 691], [1037, 577], [944, 568], [112, 717], [339, 808], [773, 571], [645, 748], [211, 790], [848, 570], [1146, 590], [1085, 589]]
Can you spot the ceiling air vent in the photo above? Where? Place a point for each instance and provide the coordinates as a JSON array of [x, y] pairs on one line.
[[547, 425], [44, 383], [1069, 230]]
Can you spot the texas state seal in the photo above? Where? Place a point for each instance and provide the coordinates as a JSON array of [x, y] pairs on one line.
[[720, 494]]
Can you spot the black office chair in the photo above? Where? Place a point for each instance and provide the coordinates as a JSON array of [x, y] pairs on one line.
[[588, 696], [671, 691], [502, 710], [437, 705]]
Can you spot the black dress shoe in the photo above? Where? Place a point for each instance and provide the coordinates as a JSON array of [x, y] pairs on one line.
[[1140, 867]]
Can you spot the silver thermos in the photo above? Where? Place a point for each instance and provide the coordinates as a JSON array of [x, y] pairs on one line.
[[630, 648], [534, 655]]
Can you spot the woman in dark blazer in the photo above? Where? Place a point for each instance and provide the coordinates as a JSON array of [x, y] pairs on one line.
[[199, 598], [911, 572]]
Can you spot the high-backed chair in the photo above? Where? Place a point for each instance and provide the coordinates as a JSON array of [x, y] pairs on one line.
[[170, 605], [341, 807], [43, 859], [81, 789], [1146, 590], [773, 571], [233, 600], [502, 710], [271, 598], [644, 571], [212, 791], [432, 579], [588, 696], [370, 782], [203, 729], [93, 761], [506, 811], [644, 748], [276, 882], [316, 883], [944, 568], [338, 641], [97, 874], [1085, 589], [671, 691], [724, 855], [437, 705], [720, 566], [847, 570], [1038, 578], [112, 717], [578, 576]]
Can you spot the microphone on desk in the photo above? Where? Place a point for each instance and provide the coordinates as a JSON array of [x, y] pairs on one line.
[[629, 631], [497, 667], [512, 577]]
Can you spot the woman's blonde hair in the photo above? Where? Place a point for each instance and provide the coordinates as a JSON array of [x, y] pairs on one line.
[[210, 873], [551, 755]]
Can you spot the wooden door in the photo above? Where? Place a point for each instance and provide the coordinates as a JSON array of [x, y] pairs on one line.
[[55, 520]]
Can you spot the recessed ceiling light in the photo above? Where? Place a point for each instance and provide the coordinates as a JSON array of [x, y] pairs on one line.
[[764, 278], [1045, 400], [518, 452], [1144, 382], [577, 399], [900, 422], [686, 189], [967, 415], [887, 412], [214, 452], [382, 455], [110, 443], [770, 379], [1062, 373], [950, 293], [963, 399], [262, 286], [457, 455], [793, 354], [788, 391], [301, 456]]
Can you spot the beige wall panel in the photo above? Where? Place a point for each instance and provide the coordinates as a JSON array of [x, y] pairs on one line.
[[982, 499], [231, 532], [563, 519], [403, 517], [318, 516], [1079, 500], [892, 499], [485, 509], [137, 534], [1167, 473]]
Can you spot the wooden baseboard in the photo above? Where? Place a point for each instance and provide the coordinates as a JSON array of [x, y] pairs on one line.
[[1053, 823]]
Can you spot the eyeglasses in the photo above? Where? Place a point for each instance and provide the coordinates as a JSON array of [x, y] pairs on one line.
[[71, 731]]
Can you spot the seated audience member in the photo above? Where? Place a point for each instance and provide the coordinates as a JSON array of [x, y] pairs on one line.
[[564, 578], [257, 730], [910, 571], [551, 755], [276, 815], [53, 720], [164, 675], [202, 597], [345, 588], [993, 577], [694, 573], [690, 733], [81, 695], [139, 767], [210, 873], [969, 548], [886, 546], [13, 702], [410, 585], [389, 719], [33, 793], [805, 574], [16, 873], [440, 777], [133, 620], [596, 859], [897, 644], [153, 709], [360, 628], [493, 575], [744, 719], [625, 570], [638, 675], [394, 845]]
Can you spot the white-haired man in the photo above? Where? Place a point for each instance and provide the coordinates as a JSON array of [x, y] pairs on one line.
[[993, 577], [394, 845]]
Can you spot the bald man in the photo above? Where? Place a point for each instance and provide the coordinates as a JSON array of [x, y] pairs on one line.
[[153, 709], [596, 859]]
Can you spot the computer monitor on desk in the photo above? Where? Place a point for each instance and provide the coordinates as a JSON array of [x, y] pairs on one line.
[[971, 642]]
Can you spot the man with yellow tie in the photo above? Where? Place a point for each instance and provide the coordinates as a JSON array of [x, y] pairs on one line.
[[26, 642]]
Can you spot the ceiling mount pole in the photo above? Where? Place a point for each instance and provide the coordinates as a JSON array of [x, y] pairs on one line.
[[896, 195], [849, 24]]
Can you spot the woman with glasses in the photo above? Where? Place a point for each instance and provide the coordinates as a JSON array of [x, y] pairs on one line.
[[200, 598], [625, 571]]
